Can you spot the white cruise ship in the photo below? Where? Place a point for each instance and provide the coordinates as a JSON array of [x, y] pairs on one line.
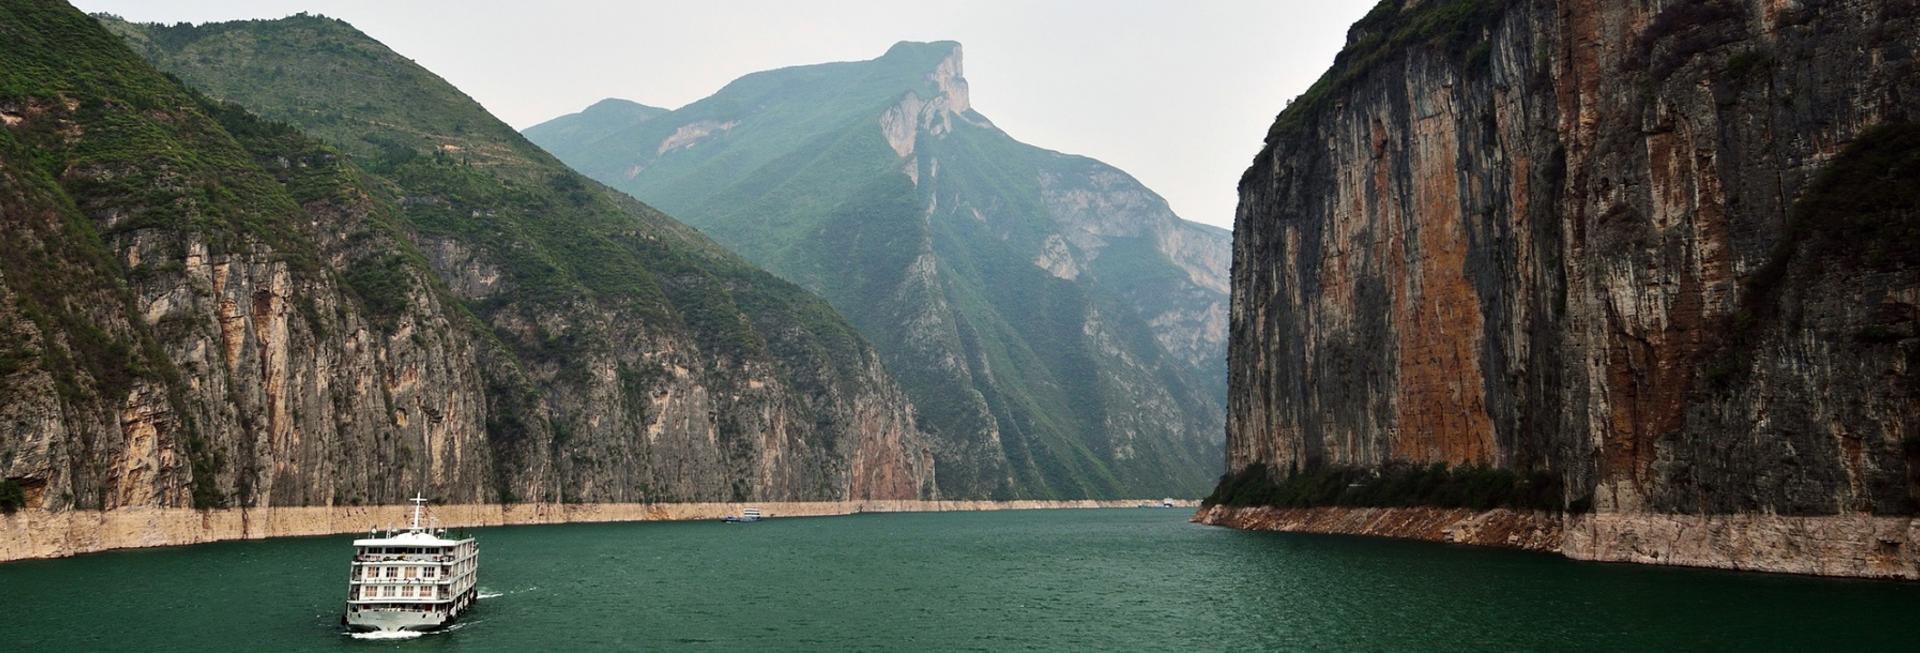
[[414, 580]]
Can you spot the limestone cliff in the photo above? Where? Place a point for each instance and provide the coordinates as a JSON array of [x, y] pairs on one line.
[[1661, 253], [204, 309]]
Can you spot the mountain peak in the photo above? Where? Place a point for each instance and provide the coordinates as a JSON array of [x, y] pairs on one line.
[[931, 51], [903, 122], [603, 117], [942, 61], [622, 107]]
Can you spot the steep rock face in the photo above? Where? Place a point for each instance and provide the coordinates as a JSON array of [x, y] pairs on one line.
[[1599, 240], [655, 365], [1060, 329], [180, 338], [210, 310]]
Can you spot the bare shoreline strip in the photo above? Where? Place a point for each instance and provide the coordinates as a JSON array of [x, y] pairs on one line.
[[1849, 546], [29, 534]]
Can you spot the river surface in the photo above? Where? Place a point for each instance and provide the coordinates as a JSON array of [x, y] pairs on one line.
[[1128, 579]]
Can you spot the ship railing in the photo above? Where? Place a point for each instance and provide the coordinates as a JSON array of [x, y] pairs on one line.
[[404, 558], [375, 580]]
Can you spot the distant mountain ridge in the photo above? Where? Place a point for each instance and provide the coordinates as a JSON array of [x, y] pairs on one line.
[[1061, 331], [578, 129]]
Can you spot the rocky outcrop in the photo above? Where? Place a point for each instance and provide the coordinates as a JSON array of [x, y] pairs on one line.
[[1857, 545], [903, 123], [1100, 211], [1599, 240]]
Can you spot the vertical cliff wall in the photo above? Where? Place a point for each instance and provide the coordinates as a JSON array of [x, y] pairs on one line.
[[1661, 252]]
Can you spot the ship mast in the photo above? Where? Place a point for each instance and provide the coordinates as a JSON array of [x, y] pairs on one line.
[[418, 503]]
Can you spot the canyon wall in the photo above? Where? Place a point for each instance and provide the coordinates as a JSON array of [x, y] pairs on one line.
[[1663, 252], [201, 309]]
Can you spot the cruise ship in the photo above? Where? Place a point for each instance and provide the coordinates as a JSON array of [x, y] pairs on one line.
[[415, 580]]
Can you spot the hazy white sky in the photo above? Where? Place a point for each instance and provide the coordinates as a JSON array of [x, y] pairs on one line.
[[1177, 93]]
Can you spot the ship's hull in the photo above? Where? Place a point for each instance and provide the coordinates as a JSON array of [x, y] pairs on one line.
[[365, 621]]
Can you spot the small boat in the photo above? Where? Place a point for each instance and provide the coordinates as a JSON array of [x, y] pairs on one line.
[[416, 580], [746, 516], [1166, 503]]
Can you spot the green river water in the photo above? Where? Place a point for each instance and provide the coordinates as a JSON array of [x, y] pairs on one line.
[[1130, 579]]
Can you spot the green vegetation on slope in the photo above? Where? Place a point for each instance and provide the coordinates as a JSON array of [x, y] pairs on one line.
[[567, 275], [462, 174], [328, 79], [1034, 385], [102, 152], [12, 496]]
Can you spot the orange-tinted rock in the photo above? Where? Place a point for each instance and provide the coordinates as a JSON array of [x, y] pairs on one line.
[[1556, 239]]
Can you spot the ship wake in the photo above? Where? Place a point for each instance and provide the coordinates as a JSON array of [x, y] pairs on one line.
[[387, 634], [409, 634], [485, 593]]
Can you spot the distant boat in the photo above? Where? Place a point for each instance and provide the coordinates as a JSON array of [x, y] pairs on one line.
[[746, 516], [416, 580], [1166, 503]]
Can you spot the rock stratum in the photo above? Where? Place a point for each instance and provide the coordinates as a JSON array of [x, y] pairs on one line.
[[1663, 258], [204, 309], [1061, 331]]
